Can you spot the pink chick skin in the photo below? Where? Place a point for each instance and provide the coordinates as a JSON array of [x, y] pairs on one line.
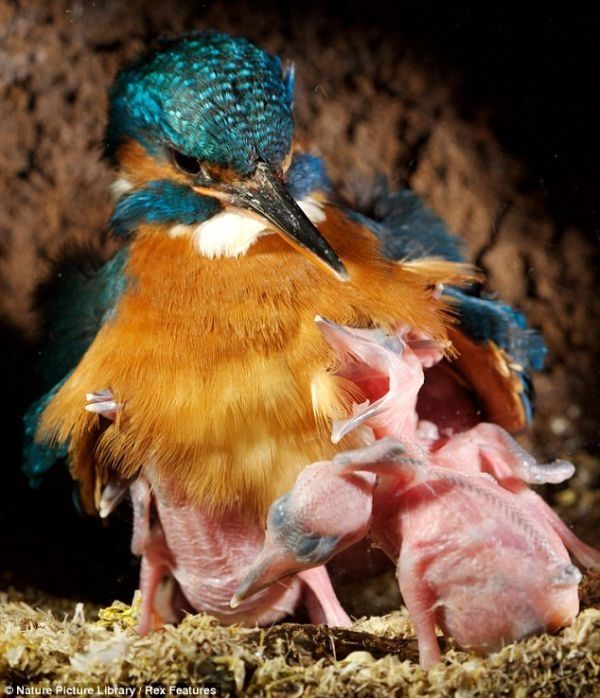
[[163, 525], [478, 553], [399, 365], [468, 555], [191, 560]]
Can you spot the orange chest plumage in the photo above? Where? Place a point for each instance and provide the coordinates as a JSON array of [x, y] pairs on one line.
[[225, 381]]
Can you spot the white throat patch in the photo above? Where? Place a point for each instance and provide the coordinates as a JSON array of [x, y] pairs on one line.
[[228, 234], [232, 232]]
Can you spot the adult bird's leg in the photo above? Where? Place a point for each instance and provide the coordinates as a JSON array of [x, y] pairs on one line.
[[103, 403], [116, 489]]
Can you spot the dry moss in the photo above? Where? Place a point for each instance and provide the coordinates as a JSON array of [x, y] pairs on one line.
[[46, 640]]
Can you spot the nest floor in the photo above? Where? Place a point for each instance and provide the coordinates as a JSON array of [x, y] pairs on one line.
[[45, 641]]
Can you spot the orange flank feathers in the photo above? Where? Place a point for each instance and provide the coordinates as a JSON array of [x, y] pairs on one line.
[[226, 382]]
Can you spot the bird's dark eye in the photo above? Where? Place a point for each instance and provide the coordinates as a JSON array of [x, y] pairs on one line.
[[307, 545], [309, 548], [186, 163]]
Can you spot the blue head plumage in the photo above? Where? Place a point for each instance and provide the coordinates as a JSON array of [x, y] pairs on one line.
[[214, 97], [219, 109]]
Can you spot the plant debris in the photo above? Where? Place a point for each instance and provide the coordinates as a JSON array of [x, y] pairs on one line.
[[46, 640]]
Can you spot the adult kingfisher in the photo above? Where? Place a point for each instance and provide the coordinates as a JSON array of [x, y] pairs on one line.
[[188, 370]]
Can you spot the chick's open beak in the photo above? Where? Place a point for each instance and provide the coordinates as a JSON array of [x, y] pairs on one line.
[[265, 194]]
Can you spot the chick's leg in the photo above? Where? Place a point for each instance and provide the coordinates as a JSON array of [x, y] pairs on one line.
[[322, 603], [157, 586], [206, 554], [420, 604]]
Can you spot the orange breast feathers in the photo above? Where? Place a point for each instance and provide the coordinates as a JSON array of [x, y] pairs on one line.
[[226, 383]]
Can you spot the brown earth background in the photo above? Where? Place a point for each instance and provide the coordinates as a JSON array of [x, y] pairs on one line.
[[488, 114]]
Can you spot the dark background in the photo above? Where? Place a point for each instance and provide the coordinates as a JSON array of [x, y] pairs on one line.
[[490, 114]]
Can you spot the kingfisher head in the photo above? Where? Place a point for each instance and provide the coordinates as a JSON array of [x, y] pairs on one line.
[[201, 130]]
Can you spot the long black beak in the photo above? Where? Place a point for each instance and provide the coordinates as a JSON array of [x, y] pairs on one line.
[[266, 194]]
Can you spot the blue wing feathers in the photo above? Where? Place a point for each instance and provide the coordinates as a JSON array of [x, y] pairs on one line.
[[77, 303], [484, 319], [39, 458], [80, 301], [409, 230], [306, 175]]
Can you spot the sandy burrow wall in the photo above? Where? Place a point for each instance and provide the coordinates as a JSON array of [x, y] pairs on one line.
[[367, 100]]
